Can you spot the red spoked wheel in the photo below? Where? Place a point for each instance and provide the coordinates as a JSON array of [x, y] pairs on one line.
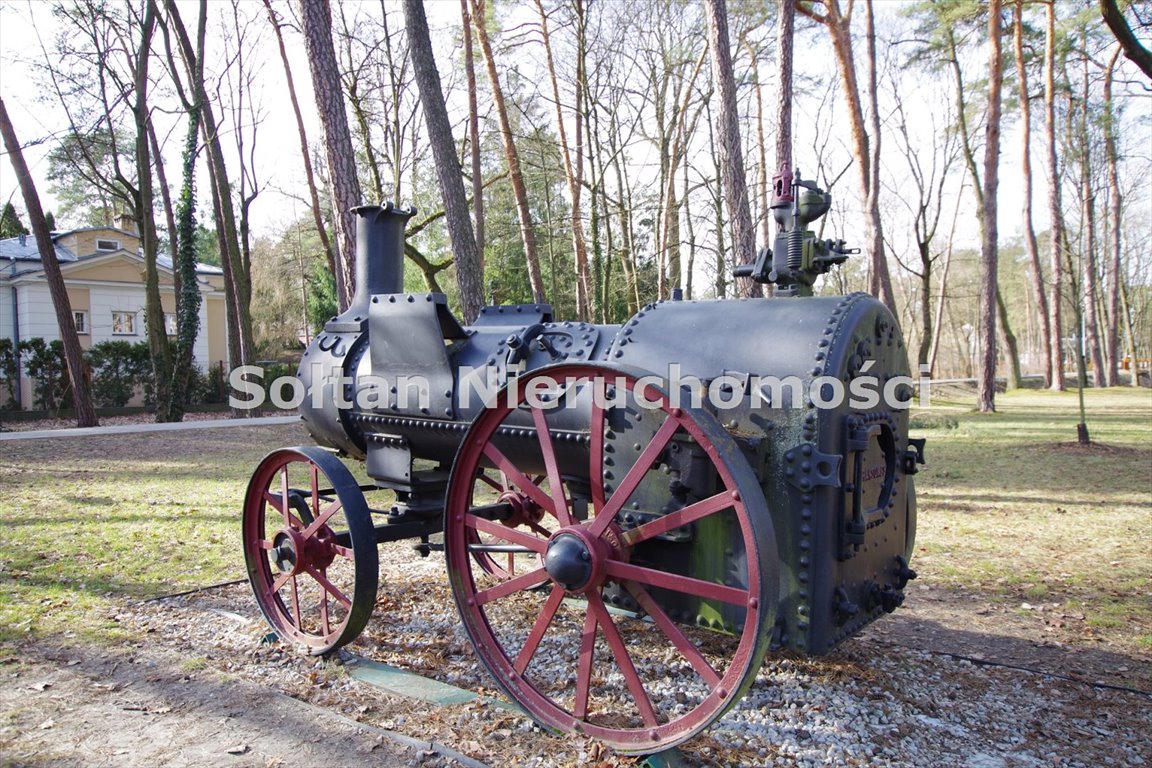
[[649, 677], [310, 548]]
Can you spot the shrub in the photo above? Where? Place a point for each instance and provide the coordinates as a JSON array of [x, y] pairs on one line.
[[46, 366], [118, 368], [10, 372]]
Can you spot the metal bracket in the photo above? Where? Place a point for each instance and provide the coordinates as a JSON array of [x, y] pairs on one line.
[[406, 336], [913, 455], [808, 467]]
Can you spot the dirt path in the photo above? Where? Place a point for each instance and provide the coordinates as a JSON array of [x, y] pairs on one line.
[[74, 707]]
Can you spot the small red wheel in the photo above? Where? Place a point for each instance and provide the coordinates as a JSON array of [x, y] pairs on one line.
[[492, 553], [603, 635], [310, 548]]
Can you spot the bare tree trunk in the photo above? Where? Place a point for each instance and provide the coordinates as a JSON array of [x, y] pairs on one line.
[[474, 136], [73, 355], [1115, 276], [237, 283], [1011, 346], [881, 281], [1055, 205], [1088, 242], [342, 180], [573, 169], [728, 126], [1130, 335], [520, 191], [158, 347], [989, 253], [840, 29], [309, 174], [670, 227], [785, 33], [688, 287], [1030, 245], [469, 272], [765, 218]]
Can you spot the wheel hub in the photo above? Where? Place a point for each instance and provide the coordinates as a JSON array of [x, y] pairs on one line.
[[569, 562], [285, 551], [524, 510], [292, 553]]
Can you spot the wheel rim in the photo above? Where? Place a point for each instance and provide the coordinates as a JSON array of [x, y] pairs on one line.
[[547, 633], [310, 549]]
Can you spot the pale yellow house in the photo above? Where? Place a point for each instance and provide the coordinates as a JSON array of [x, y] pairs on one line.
[[104, 274]]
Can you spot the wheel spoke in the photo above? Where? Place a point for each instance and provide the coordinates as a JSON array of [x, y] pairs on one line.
[[328, 586], [511, 535], [284, 496], [489, 482], [344, 552], [678, 638], [518, 478], [596, 445], [315, 472], [322, 519], [659, 441], [555, 482], [672, 520], [543, 621], [515, 584], [296, 619], [266, 544], [325, 625], [677, 583], [584, 666], [277, 504], [623, 658]]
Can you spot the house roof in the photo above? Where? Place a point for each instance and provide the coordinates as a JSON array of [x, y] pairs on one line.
[[23, 255]]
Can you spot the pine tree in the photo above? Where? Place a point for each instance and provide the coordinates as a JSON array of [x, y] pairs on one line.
[[10, 224]]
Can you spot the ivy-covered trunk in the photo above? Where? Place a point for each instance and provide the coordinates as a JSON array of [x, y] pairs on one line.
[[188, 289]]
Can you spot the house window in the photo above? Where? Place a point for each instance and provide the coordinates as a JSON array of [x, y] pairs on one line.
[[169, 323], [107, 245], [124, 323], [81, 319]]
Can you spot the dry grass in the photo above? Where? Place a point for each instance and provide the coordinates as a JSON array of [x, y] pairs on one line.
[[1008, 507], [1011, 506]]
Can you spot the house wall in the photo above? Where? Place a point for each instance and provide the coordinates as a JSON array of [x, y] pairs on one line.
[[80, 301], [101, 289], [84, 243], [6, 329], [217, 327]]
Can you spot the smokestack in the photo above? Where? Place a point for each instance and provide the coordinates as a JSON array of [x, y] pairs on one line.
[[379, 252]]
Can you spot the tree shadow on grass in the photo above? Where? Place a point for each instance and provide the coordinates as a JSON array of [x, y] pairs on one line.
[[956, 636]]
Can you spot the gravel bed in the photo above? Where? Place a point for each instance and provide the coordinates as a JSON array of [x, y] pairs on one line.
[[870, 703]]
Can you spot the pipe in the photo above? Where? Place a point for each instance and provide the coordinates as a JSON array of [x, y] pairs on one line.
[[379, 252]]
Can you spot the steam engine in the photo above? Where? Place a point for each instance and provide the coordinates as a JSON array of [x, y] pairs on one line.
[[740, 468]]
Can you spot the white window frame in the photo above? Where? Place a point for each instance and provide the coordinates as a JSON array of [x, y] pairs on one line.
[[80, 319], [131, 322], [101, 242], [170, 324]]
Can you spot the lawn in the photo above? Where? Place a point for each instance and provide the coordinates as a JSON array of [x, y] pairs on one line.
[[1009, 507], [89, 520]]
